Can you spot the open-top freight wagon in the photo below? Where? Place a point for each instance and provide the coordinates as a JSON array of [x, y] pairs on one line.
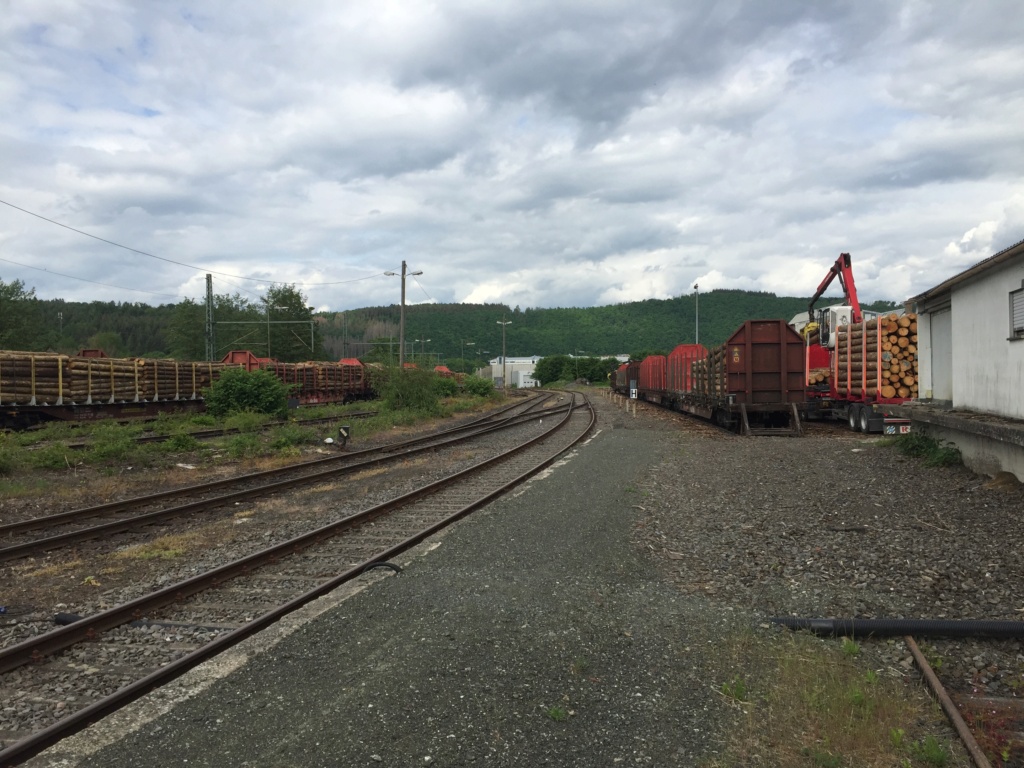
[[752, 384]]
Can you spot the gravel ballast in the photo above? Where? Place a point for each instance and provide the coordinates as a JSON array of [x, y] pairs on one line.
[[578, 621]]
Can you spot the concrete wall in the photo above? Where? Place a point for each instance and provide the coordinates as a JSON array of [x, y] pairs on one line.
[[987, 368], [981, 453]]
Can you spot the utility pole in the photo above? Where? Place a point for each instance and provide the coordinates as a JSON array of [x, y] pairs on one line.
[[696, 299], [211, 345], [401, 315]]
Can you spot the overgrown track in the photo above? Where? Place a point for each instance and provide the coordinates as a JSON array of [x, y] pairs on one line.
[[100, 662], [35, 535], [209, 434]]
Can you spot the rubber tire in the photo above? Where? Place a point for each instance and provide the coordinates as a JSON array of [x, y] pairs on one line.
[[855, 418], [864, 422]]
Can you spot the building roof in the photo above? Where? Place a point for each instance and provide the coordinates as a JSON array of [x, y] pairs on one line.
[[1007, 254]]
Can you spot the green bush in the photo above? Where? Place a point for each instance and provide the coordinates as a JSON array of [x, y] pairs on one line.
[[445, 387], [409, 389], [475, 385], [935, 453], [53, 456], [240, 390]]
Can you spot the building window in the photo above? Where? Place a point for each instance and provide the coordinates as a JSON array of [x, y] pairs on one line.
[[1017, 313]]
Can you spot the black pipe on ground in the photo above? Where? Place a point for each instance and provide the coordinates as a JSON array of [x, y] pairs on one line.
[[900, 627]]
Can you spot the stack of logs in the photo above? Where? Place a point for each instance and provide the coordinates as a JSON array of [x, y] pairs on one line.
[[878, 358], [818, 376], [709, 375], [49, 379]]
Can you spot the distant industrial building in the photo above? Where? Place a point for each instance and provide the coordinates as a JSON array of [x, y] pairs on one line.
[[519, 371]]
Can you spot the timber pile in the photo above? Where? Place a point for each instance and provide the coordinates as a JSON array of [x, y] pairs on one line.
[[709, 375], [173, 380], [878, 358], [818, 376], [46, 378]]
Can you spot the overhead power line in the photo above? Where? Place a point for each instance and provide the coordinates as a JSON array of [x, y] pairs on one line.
[[172, 261], [86, 280]]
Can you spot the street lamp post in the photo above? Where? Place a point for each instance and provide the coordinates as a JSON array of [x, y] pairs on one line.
[[696, 304], [503, 322], [401, 314], [270, 307], [464, 345], [423, 346], [576, 359]]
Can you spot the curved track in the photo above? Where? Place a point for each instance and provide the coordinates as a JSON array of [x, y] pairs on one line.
[[218, 608], [41, 534]]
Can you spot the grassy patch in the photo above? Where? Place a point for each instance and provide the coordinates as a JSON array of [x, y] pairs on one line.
[[245, 446], [809, 702], [164, 548], [246, 421], [180, 443], [558, 714]]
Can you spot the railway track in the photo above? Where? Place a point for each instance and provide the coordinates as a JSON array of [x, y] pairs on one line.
[[36, 535], [77, 673], [990, 726], [209, 434]]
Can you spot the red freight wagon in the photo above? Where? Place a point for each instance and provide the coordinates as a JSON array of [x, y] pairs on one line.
[[679, 370], [753, 382], [618, 377], [652, 378]]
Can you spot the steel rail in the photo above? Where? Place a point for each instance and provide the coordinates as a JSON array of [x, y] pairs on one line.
[[40, 646], [392, 450], [89, 627]]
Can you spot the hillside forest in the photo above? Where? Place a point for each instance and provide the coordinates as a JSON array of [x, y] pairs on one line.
[[461, 336]]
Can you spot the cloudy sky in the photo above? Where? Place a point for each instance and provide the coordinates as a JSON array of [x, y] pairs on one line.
[[534, 153]]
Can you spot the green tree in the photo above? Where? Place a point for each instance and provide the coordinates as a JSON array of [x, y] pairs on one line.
[[19, 322], [552, 368], [292, 333], [109, 341]]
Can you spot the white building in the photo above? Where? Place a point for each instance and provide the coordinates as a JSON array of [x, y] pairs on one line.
[[519, 371], [971, 363]]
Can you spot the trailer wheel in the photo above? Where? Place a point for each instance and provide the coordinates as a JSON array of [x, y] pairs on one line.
[[865, 419], [854, 414]]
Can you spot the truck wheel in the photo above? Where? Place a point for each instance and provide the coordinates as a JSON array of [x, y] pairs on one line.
[[865, 419], [855, 418]]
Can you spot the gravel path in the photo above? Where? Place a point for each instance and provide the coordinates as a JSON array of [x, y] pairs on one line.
[[577, 622]]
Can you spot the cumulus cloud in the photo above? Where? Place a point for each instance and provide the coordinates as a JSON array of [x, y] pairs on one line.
[[562, 153]]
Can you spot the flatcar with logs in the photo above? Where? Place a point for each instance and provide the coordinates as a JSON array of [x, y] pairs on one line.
[[45, 386], [752, 384]]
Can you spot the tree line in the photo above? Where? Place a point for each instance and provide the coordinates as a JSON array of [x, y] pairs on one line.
[[462, 336]]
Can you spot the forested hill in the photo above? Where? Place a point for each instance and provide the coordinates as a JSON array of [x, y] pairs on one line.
[[444, 332], [655, 324]]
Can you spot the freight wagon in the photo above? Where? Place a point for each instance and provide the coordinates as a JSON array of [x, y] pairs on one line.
[[44, 386], [752, 384]]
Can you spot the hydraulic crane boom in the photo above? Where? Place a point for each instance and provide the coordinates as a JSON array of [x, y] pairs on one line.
[[844, 272]]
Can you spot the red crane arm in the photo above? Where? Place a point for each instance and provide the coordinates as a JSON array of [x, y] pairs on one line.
[[844, 271]]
